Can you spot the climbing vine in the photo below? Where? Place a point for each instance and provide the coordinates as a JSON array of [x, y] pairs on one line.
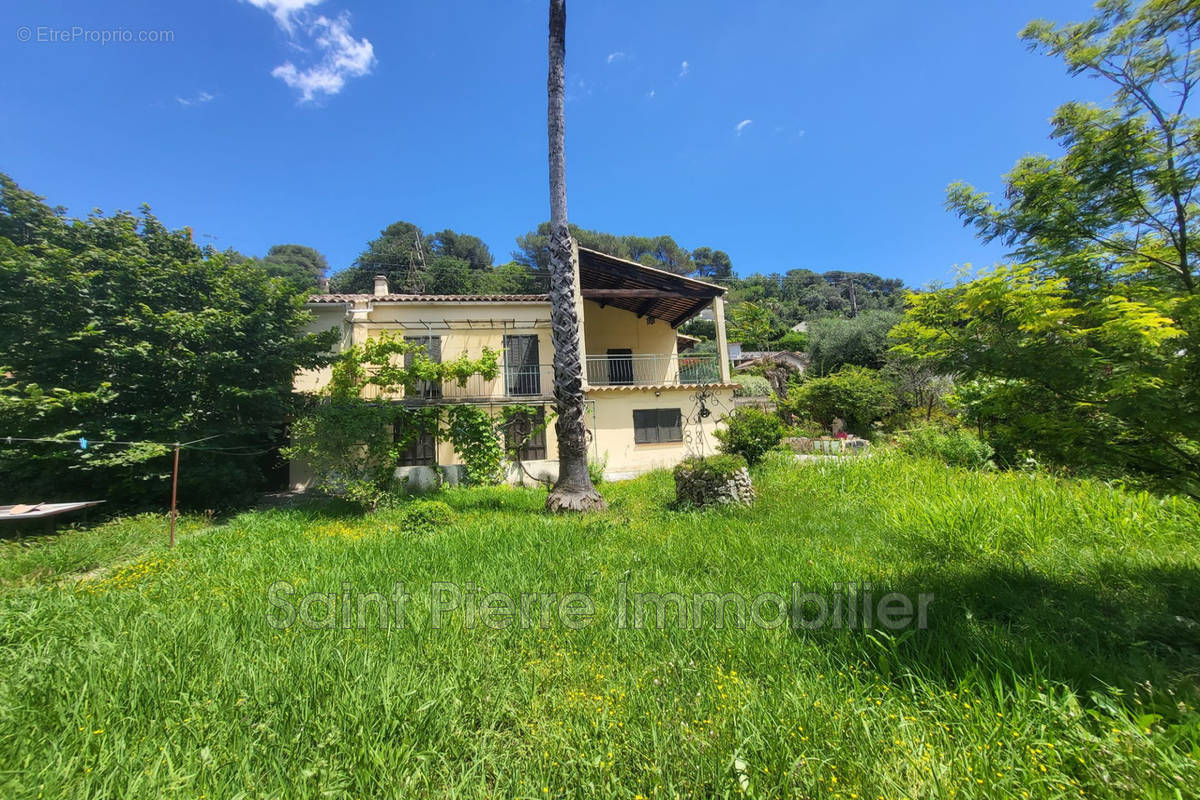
[[345, 439], [391, 363], [472, 431]]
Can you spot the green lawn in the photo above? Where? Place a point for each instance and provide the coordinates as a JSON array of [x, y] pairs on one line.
[[1060, 660]]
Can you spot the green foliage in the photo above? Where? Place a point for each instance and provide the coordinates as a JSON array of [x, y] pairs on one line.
[[389, 255], [804, 295], [806, 428], [955, 446], [115, 328], [390, 364], [921, 386], [346, 441], [462, 247], [660, 252], [752, 386], [454, 263], [724, 465], [750, 433], [753, 325], [511, 278], [704, 329], [857, 395], [794, 341], [861, 341], [302, 267], [477, 442], [596, 467], [423, 517], [1093, 380], [1090, 347]]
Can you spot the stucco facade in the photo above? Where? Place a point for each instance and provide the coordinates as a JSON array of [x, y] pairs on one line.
[[632, 366]]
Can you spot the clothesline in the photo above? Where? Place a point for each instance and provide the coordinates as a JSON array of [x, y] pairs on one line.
[[83, 443]]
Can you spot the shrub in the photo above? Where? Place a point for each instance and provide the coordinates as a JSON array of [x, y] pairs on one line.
[[750, 433], [752, 386], [596, 467], [794, 341], [955, 446], [425, 516], [857, 395], [806, 428], [862, 341]]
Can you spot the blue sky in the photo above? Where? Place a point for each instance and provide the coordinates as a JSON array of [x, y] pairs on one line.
[[810, 134]]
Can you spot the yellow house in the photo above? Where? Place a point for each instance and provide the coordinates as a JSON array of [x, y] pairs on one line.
[[648, 406]]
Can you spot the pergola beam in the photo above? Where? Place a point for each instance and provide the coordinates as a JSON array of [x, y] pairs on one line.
[[610, 294]]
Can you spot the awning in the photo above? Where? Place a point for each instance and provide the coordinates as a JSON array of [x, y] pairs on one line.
[[646, 291]]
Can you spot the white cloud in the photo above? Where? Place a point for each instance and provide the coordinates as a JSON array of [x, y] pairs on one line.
[[650, 94], [334, 55], [284, 11], [741, 126], [617, 56], [683, 69], [199, 99]]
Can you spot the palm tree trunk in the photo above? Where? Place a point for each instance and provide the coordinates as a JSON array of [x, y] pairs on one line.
[[573, 491]]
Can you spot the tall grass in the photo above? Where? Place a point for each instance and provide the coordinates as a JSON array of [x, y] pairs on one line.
[[1060, 658]]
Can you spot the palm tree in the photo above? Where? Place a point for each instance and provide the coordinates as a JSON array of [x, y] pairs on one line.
[[573, 491]]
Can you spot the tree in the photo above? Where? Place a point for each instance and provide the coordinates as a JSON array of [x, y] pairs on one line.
[[1088, 347], [857, 395], [446, 262], [709, 263], [703, 329], [660, 252], [574, 490], [299, 265], [862, 340], [390, 255], [115, 329], [920, 384], [512, 278], [462, 246], [753, 325], [449, 275]]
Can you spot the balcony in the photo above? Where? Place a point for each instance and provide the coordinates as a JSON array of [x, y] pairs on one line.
[[532, 382], [536, 382], [652, 370]]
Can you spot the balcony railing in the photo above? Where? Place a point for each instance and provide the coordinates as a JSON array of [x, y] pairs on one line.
[[537, 381], [525, 382], [641, 370]]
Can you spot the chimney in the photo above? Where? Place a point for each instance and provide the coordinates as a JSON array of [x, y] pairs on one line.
[[381, 287], [323, 283]]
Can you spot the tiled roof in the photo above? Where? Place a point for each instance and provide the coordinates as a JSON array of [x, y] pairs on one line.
[[430, 298], [641, 387]]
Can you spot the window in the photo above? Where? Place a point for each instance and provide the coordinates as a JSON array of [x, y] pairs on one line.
[[654, 425], [428, 390], [522, 374], [421, 453], [525, 435]]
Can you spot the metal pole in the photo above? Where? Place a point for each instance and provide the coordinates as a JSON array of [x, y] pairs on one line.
[[174, 492]]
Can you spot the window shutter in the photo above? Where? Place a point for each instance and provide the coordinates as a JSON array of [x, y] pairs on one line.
[[645, 427], [654, 425], [670, 425], [521, 365]]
